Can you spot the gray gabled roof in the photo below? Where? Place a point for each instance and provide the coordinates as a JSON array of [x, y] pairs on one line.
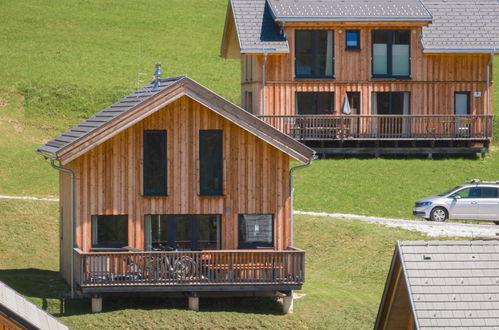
[[463, 25], [257, 32], [307, 10], [24, 312], [452, 284], [123, 113]]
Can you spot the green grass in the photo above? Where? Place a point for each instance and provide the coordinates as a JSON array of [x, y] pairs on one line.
[[347, 264]]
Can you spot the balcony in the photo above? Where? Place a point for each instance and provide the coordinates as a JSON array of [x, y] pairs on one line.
[[383, 127], [214, 270]]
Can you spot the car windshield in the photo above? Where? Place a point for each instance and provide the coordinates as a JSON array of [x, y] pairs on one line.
[[449, 191]]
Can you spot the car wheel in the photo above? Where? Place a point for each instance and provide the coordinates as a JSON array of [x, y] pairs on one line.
[[438, 214]]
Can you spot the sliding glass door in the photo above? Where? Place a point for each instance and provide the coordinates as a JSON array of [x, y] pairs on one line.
[[186, 232], [393, 105]]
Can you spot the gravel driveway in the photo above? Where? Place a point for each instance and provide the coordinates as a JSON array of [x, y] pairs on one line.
[[430, 228]]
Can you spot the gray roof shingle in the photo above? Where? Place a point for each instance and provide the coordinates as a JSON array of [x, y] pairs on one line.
[[455, 25], [471, 25], [288, 10], [453, 283], [256, 29]]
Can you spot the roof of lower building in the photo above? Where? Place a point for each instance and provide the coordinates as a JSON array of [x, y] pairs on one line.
[[24, 312], [452, 284], [143, 102], [462, 25], [453, 25], [290, 10]]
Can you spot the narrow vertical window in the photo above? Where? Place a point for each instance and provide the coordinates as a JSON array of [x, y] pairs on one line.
[[352, 40], [155, 171], [211, 162]]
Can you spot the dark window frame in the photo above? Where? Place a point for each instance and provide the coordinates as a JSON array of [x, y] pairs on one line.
[[314, 47], [391, 102], [170, 239], [204, 191], [333, 102], [390, 56], [357, 33], [163, 191], [254, 245], [468, 105], [107, 246], [359, 95]]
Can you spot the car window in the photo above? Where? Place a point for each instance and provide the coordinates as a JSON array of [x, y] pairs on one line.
[[488, 192], [449, 191], [473, 192]]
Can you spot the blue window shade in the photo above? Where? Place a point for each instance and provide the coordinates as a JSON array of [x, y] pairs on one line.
[[211, 162], [352, 39], [155, 171]]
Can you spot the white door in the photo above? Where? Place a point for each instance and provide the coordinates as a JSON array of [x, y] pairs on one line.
[[462, 107]]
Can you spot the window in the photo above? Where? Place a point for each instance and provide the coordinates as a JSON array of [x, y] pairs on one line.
[[248, 101], [248, 68], [211, 162], [478, 192], [314, 54], [354, 101], [256, 231], [315, 103], [391, 103], [352, 40], [183, 232], [462, 103], [155, 171], [391, 54], [109, 231]]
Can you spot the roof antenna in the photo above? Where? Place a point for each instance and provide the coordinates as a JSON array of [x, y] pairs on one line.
[[157, 75]]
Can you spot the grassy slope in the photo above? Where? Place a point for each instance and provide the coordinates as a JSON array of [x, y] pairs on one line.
[[347, 263]]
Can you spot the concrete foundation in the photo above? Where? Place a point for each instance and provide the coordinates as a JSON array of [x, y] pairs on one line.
[[96, 304], [287, 304], [194, 303]]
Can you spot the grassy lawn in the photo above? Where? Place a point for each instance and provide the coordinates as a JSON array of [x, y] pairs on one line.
[[347, 264]]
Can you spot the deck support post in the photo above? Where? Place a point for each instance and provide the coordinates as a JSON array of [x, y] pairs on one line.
[[194, 302], [96, 304], [287, 303]]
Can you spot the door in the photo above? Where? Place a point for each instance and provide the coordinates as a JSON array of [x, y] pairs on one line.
[[462, 108], [488, 205], [465, 204], [184, 232], [393, 105], [354, 101]]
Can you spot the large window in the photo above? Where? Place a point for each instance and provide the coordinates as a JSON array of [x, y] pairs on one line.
[[109, 231], [256, 231], [182, 232], [315, 103], [211, 162], [478, 192], [314, 54], [391, 54], [155, 171]]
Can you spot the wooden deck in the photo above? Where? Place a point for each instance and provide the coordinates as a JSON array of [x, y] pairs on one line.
[[384, 127], [217, 270]]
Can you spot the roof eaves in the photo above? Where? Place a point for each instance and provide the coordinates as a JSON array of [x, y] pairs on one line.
[[408, 285], [265, 50], [353, 18], [460, 50]]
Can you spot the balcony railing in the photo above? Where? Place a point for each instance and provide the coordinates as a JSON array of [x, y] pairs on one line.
[[342, 127], [221, 267]]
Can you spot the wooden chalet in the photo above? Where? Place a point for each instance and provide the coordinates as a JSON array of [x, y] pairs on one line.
[[373, 76], [174, 189], [441, 285]]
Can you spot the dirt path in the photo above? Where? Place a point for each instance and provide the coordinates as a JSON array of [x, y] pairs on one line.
[[30, 198], [430, 228]]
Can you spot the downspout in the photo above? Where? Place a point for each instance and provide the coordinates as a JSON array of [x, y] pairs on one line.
[[489, 64], [71, 173], [292, 190], [264, 63]]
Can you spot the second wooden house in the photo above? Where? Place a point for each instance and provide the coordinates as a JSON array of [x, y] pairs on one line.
[[174, 189], [377, 76]]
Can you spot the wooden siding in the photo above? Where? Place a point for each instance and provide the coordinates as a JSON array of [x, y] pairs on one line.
[[109, 177], [434, 77]]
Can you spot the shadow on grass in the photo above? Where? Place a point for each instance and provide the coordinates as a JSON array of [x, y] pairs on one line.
[[47, 289]]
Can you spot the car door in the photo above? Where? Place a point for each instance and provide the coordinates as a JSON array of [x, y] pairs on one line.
[[464, 204], [488, 205]]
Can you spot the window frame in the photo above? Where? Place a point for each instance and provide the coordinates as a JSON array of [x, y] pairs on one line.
[[357, 33], [389, 55], [333, 102], [468, 104], [220, 190], [314, 47], [255, 246], [94, 218], [149, 192]]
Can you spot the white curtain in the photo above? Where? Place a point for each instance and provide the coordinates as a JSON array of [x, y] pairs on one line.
[[380, 58], [400, 60], [406, 111], [148, 233], [329, 54]]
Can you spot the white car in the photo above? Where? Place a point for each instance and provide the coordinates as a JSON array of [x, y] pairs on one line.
[[477, 200]]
